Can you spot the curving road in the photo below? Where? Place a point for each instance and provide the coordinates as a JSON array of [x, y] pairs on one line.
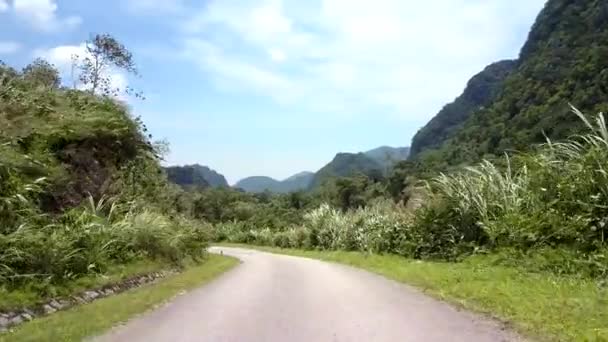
[[283, 298]]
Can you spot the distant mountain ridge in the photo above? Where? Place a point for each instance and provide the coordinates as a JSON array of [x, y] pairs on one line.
[[373, 163], [299, 181], [195, 175]]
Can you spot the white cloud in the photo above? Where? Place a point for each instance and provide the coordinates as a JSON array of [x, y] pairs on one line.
[[61, 58], [277, 55], [7, 47], [233, 73], [392, 56], [42, 15], [153, 7], [268, 20], [3, 6]]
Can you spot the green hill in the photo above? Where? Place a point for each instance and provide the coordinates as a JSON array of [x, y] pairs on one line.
[[257, 184], [347, 164], [195, 175], [564, 60]]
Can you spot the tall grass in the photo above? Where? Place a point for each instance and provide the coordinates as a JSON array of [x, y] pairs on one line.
[[379, 228], [89, 239], [557, 196]]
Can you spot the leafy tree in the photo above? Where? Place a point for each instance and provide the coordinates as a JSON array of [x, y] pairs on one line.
[[297, 200], [399, 180], [104, 53], [41, 72]]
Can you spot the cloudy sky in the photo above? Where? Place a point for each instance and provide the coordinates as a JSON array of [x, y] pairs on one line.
[[274, 87]]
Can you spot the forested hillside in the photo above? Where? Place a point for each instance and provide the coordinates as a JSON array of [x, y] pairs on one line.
[[347, 164], [480, 91], [564, 60], [195, 175], [388, 156]]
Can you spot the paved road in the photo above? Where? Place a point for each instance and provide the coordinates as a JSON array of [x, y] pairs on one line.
[[282, 298]]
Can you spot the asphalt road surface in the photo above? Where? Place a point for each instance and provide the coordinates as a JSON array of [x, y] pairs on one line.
[[281, 298]]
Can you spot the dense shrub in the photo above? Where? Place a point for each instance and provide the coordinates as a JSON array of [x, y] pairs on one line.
[[379, 229], [84, 241]]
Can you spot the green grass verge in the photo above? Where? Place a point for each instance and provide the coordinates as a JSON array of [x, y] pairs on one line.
[[94, 318], [539, 305], [35, 293]]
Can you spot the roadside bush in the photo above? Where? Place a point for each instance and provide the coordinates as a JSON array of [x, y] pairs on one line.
[[299, 237], [83, 241], [281, 240]]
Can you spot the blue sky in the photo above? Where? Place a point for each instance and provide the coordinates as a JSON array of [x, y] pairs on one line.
[[274, 87]]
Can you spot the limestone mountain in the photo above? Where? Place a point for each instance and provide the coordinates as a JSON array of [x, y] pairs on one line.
[[195, 175], [480, 91], [563, 61]]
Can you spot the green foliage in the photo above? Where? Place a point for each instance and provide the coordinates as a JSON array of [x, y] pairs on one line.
[[257, 211], [77, 141], [376, 229], [553, 198], [41, 73], [91, 238]]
